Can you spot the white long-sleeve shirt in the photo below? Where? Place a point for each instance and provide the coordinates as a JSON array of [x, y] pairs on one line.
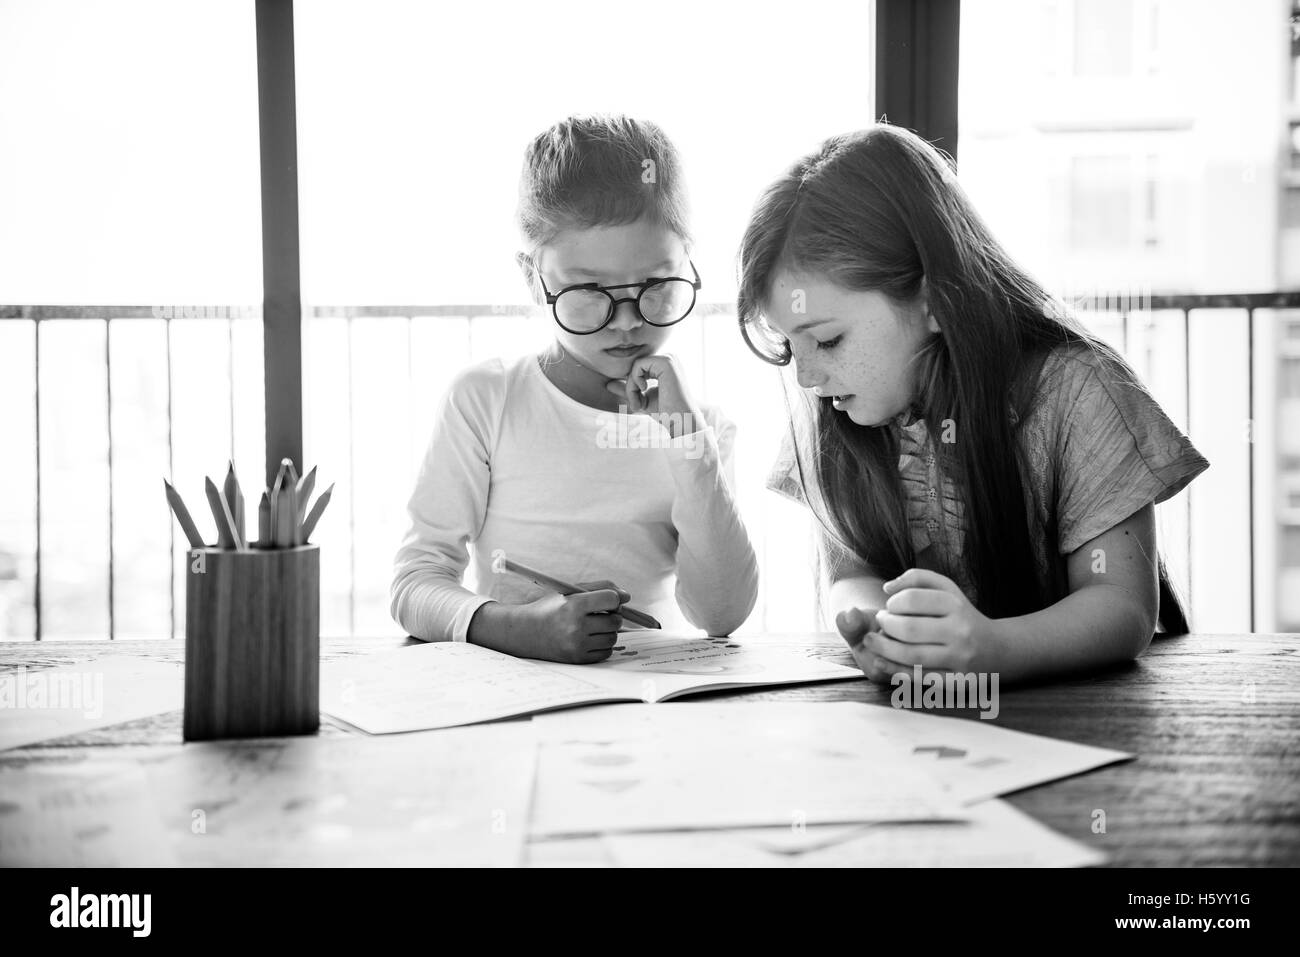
[[583, 495]]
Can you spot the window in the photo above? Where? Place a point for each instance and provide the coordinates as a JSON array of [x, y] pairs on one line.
[[1100, 202], [129, 178], [1103, 37], [413, 121], [1096, 158]]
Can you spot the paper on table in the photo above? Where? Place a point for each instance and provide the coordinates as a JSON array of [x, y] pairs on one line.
[[974, 759], [443, 684], [443, 799], [996, 835], [645, 767], [652, 666], [93, 814], [39, 704]]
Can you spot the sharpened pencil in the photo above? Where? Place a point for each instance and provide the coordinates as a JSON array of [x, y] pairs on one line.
[[183, 516], [564, 588], [314, 515]]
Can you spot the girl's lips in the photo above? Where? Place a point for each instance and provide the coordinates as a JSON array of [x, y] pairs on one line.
[[840, 401], [624, 351]]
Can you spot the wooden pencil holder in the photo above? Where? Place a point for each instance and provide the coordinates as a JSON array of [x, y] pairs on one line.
[[252, 642]]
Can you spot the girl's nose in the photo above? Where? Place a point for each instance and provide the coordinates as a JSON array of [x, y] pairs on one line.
[[807, 376], [626, 316]]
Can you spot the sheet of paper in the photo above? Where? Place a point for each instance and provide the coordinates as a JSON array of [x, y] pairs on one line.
[[41, 704], [450, 798], [702, 765], [91, 814], [974, 759], [996, 835], [444, 684], [653, 666]]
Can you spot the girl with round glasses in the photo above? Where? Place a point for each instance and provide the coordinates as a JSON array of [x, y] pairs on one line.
[[590, 462]]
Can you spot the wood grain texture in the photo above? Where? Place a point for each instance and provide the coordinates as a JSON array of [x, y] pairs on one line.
[[1216, 782], [252, 643]]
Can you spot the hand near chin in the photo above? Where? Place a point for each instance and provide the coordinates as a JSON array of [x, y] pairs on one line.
[[654, 386]]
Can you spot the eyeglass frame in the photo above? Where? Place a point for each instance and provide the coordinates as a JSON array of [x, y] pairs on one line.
[[644, 286]]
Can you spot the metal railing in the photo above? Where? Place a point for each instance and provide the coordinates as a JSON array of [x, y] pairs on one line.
[[483, 314]]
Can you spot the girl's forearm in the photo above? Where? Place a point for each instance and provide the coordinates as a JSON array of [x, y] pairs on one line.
[[717, 571], [1090, 628], [857, 591]]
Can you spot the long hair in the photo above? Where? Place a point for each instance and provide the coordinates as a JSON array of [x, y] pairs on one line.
[[881, 210]]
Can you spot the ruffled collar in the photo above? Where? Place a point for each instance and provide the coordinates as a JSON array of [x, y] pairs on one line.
[[910, 420]]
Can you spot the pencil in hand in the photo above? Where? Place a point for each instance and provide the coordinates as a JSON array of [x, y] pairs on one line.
[[500, 564]]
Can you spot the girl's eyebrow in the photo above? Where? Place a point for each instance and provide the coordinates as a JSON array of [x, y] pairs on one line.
[[808, 325], [596, 276]]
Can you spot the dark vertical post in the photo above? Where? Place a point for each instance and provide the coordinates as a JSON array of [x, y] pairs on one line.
[[36, 359], [108, 421], [916, 67], [281, 293], [1250, 451]]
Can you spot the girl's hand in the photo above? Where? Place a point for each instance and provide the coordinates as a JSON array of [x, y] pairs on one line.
[[853, 625], [669, 398], [927, 621], [576, 629]]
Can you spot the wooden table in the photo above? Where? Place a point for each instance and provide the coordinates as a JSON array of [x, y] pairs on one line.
[[1215, 720]]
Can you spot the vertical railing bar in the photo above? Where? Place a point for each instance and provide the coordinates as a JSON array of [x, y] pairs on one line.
[[1187, 405], [410, 388], [352, 498], [230, 379], [171, 474], [1250, 450], [108, 392], [1128, 355], [36, 597]]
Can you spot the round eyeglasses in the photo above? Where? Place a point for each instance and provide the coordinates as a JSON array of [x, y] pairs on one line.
[[589, 307]]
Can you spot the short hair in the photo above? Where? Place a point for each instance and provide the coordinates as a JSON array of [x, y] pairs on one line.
[[600, 170]]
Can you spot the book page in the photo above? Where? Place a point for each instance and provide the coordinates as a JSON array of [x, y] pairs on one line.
[[445, 684], [974, 759], [656, 666], [37, 704], [705, 765], [451, 798], [87, 813], [997, 835]]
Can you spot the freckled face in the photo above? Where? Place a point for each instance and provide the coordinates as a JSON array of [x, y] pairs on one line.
[[855, 346]]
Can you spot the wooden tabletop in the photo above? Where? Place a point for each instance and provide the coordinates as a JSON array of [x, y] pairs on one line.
[[1214, 720]]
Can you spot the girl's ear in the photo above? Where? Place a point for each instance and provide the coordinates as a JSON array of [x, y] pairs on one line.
[[923, 300]]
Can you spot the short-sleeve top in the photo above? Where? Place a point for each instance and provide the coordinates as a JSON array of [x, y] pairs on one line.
[[1096, 445]]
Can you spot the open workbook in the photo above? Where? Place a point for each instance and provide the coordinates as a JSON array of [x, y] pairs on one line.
[[445, 684]]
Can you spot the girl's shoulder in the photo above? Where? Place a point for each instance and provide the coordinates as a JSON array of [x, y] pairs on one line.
[[1081, 374], [1096, 436], [488, 384]]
